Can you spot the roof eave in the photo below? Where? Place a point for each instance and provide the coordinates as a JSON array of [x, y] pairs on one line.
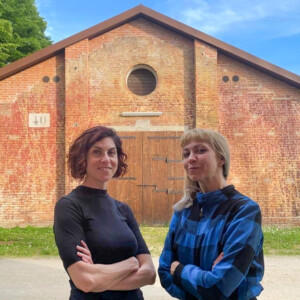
[[224, 48], [60, 46], [162, 20]]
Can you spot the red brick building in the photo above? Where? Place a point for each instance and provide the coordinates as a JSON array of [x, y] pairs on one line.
[[149, 77]]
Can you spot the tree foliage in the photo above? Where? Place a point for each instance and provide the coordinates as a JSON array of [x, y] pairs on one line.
[[22, 30]]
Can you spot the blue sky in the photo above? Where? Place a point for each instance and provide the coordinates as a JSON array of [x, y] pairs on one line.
[[268, 29]]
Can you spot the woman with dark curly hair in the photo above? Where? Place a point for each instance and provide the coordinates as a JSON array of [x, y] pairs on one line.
[[98, 238]]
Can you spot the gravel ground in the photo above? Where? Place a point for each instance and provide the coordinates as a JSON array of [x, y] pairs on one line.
[[45, 278]]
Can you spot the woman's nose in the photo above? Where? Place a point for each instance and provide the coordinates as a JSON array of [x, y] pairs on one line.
[[105, 157], [192, 157]]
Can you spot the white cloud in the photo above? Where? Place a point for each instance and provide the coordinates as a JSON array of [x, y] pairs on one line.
[[43, 3], [49, 30], [220, 16]]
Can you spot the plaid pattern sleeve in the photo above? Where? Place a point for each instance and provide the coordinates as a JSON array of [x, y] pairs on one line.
[[231, 223], [167, 257]]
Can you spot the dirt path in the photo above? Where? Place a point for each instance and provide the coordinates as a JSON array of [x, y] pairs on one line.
[[39, 278], [281, 280]]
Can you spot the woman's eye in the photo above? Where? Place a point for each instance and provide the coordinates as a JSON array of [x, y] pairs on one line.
[[185, 155], [201, 150]]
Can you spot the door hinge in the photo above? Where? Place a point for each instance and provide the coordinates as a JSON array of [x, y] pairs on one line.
[[170, 191], [175, 178], [125, 178]]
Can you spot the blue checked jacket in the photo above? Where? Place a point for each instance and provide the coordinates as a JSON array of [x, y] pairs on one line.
[[220, 221]]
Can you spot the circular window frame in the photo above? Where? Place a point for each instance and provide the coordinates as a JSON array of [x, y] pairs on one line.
[[145, 67]]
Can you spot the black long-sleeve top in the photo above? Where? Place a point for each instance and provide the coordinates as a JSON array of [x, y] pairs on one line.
[[107, 226]]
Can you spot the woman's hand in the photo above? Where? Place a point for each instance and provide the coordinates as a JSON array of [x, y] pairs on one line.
[[176, 263], [174, 266], [84, 253], [218, 259], [90, 277]]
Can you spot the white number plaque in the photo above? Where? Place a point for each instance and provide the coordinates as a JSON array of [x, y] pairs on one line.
[[39, 120]]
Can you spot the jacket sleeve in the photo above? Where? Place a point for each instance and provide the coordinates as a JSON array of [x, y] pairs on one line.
[[167, 256], [243, 241]]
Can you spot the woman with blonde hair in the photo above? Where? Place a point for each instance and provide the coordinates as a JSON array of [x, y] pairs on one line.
[[213, 249]]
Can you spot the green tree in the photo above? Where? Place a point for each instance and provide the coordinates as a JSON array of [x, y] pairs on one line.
[[22, 30]]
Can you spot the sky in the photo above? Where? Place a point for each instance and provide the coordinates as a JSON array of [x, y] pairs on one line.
[[268, 29]]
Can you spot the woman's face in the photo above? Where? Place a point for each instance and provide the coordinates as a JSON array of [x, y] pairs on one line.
[[201, 162], [102, 163]]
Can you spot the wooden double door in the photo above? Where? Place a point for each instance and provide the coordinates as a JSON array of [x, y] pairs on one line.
[[154, 181]]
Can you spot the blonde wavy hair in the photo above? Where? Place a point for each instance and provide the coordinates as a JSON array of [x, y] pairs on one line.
[[220, 146]]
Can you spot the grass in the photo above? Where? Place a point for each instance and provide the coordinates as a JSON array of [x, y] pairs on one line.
[[27, 241], [154, 237], [39, 241], [281, 241]]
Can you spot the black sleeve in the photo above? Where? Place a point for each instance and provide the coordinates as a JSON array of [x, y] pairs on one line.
[[68, 230], [132, 223]]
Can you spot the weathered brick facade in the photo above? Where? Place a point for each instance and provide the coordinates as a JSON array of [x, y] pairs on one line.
[[198, 85], [32, 159], [261, 118]]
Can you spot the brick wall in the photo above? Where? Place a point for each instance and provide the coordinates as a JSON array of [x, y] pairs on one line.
[[114, 54], [260, 116], [206, 86], [196, 87], [96, 73], [30, 182]]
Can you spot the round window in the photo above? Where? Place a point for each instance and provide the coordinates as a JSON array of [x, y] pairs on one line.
[[141, 80]]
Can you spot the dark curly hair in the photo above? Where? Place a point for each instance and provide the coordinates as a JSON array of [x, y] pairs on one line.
[[82, 144]]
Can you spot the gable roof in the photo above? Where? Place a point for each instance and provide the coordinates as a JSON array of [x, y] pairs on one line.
[[162, 20]]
